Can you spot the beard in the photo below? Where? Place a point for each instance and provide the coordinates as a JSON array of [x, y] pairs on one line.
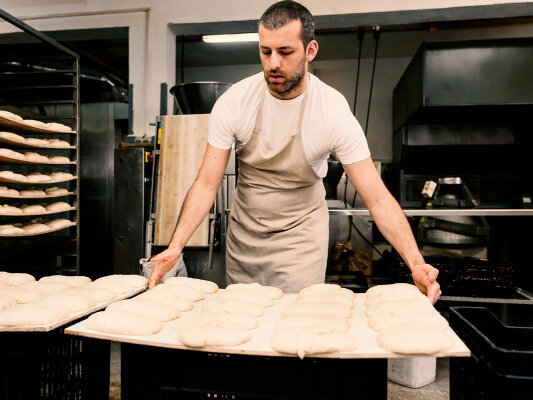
[[289, 84]]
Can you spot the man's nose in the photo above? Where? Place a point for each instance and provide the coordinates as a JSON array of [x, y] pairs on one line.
[[274, 61]]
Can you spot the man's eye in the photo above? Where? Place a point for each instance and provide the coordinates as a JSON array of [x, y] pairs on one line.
[[286, 53]]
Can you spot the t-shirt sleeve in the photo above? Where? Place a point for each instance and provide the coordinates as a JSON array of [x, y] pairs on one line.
[[348, 141], [221, 131]]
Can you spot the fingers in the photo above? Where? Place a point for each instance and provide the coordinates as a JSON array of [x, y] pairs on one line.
[[155, 276], [434, 292]]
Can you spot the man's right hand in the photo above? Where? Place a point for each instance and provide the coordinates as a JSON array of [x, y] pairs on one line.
[[162, 263]]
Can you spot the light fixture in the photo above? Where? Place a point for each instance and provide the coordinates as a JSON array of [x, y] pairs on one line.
[[237, 37]]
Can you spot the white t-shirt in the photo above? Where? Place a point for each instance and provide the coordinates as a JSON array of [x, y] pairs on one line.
[[328, 124]]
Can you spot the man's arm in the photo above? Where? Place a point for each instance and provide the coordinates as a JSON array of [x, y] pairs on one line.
[[197, 204], [391, 221]]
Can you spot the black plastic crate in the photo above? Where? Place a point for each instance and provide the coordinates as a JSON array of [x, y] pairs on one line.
[[52, 365], [501, 365], [158, 373]]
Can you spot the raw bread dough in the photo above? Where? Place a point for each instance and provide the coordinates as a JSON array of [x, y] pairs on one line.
[[58, 127], [99, 295], [55, 191], [123, 323], [159, 311], [58, 144], [160, 294], [135, 281], [32, 192], [73, 281], [11, 230], [383, 321], [327, 298], [32, 315], [377, 290], [35, 157], [238, 318], [233, 306], [213, 334], [15, 278], [6, 209], [11, 154], [324, 289], [59, 223], [319, 308], [10, 116], [47, 288], [116, 286], [38, 177], [29, 296], [56, 176], [72, 302], [315, 339], [15, 292], [37, 142], [36, 228], [34, 123], [273, 292], [58, 206], [5, 191], [33, 209], [12, 136], [6, 302], [187, 292], [406, 306], [338, 324], [414, 339], [12, 176], [247, 295], [58, 160], [199, 284]]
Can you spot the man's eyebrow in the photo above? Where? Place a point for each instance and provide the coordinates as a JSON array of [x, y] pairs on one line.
[[278, 48]]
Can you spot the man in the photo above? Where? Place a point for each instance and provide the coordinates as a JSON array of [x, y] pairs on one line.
[[286, 122]]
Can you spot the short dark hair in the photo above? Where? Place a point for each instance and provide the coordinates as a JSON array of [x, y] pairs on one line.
[[283, 12]]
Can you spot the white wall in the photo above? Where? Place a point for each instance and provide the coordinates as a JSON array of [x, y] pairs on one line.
[[152, 45]]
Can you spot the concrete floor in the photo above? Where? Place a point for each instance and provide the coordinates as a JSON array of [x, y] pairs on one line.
[[438, 390]]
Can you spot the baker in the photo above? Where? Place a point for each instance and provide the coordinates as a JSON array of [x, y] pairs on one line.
[[285, 122]]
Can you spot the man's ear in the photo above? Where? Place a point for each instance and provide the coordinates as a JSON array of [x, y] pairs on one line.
[[311, 51]]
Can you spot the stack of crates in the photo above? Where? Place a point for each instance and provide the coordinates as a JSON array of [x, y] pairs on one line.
[[501, 365]]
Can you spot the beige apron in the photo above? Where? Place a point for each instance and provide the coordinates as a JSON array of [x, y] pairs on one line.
[[278, 228]]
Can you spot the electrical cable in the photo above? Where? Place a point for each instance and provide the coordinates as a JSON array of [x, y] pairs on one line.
[[364, 238]]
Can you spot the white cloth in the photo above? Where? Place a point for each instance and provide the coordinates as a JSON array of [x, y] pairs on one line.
[[328, 123]]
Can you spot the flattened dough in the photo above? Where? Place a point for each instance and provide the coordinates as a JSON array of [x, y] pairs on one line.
[[73, 281], [319, 308], [159, 311], [249, 296], [199, 284], [233, 306], [238, 318], [273, 292], [72, 302], [123, 323], [216, 334], [338, 324], [32, 315], [414, 339]]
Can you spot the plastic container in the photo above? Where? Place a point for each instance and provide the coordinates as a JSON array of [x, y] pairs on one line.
[[501, 365], [413, 372]]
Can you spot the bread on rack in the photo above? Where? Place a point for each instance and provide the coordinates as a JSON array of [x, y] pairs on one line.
[[32, 192], [12, 136], [54, 191], [37, 142], [58, 160], [5, 191], [36, 177], [36, 124], [6, 209], [10, 116], [11, 154], [35, 157], [61, 176], [58, 127], [12, 176], [58, 206], [59, 223], [58, 144], [33, 209]]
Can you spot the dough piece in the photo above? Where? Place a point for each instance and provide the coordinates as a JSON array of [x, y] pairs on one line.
[[32, 192], [10, 116], [5, 191], [12, 136], [58, 206], [56, 176], [249, 296], [35, 157], [381, 322], [238, 318], [59, 223], [58, 160], [338, 324], [15, 292], [327, 298], [116, 287], [132, 280], [37, 142], [58, 127], [123, 323], [30, 296], [159, 311], [32, 315], [406, 306], [99, 295], [38, 177], [36, 124], [160, 294], [12, 176], [58, 144], [6, 209], [11, 154], [47, 288], [325, 288], [316, 339], [273, 292], [33, 209], [233, 306], [11, 230], [6, 302], [73, 281], [214, 334], [377, 290], [36, 228], [16, 278], [186, 292], [414, 339], [55, 191], [72, 302], [319, 308], [198, 284]]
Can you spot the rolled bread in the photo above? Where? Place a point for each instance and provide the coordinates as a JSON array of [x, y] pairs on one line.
[[36, 124], [123, 323], [12, 176], [37, 177], [11, 154], [36, 228], [35, 157], [32, 192], [58, 144], [11, 230], [58, 127], [11, 116], [58, 206], [33, 209], [59, 223], [36, 142], [6, 209], [5, 191], [58, 160]]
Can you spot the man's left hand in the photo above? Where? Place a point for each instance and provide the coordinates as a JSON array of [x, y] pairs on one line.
[[425, 279]]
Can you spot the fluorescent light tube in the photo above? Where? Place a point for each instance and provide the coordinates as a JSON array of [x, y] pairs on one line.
[[238, 37]]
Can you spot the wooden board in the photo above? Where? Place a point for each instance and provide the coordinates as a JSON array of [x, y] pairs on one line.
[[183, 143], [366, 338], [7, 124], [71, 317]]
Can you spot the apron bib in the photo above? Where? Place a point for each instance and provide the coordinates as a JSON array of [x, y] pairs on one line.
[[278, 228]]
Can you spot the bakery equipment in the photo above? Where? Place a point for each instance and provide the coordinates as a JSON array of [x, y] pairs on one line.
[[197, 97]]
